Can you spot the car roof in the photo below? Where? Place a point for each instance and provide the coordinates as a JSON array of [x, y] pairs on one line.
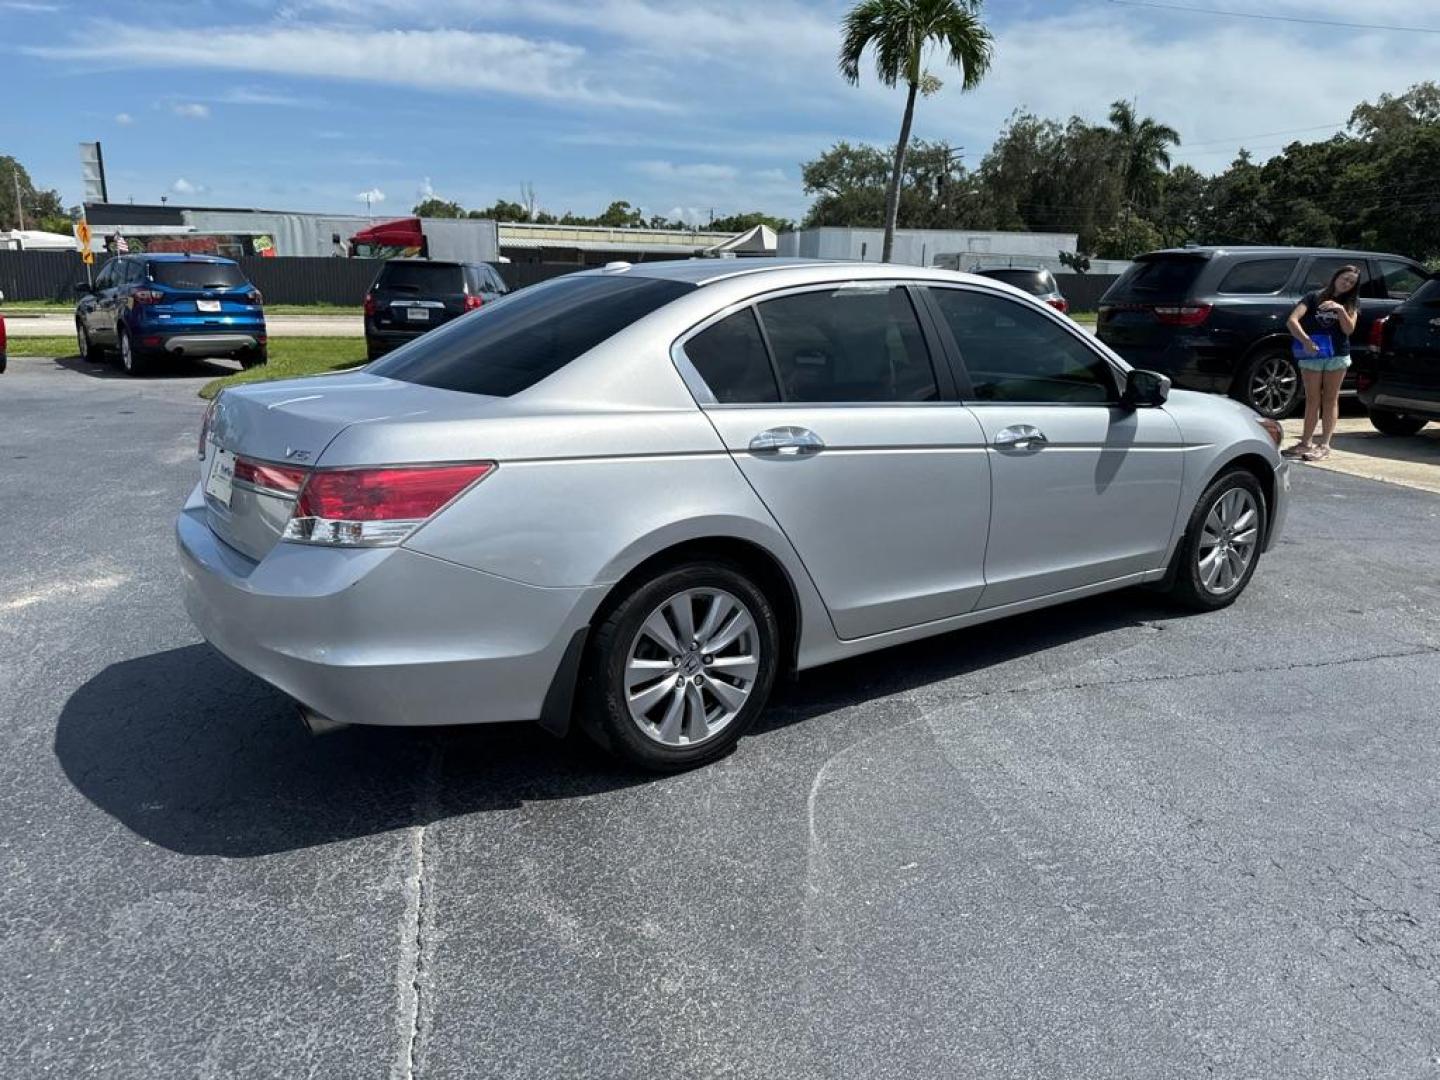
[[1210, 251], [706, 271], [983, 270], [180, 256]]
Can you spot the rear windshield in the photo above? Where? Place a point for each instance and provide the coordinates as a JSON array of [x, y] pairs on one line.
[[512, 344], [1168, 276], [1035, 282], [1427, 296], [197, 275], [426, 278]]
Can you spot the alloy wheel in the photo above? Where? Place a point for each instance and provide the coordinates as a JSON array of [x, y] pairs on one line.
[[692, 666], [1274, 385], [127, 356], [82, 341], [1228, 541]]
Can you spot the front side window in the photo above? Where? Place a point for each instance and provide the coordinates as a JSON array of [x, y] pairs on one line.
[[1322, 270], [1013, 353], [511, 344], [1257, 277], [730, 356], [1401, 279], [851, 344]]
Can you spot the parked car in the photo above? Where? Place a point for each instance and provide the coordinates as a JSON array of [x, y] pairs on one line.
[[1399, 382], [146, 307], [1035, 280], [412, 296], [652, 490], [1213, 318]]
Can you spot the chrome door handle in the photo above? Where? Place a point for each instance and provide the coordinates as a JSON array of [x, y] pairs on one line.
[[1021, 437], [787, 442]]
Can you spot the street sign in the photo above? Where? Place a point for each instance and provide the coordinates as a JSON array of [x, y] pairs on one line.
[[82, 234], [87, 257]]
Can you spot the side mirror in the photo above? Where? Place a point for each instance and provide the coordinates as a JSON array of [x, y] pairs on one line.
[[1145, 390], [83, 288]]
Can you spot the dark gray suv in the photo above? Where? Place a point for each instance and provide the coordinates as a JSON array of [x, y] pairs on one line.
[[1213, 318], [411, 296]]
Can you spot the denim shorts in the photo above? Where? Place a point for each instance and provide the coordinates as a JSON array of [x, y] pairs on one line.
[[1324, 363]]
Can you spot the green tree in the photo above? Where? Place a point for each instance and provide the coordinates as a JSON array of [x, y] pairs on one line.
[[1144, 146], [438, 208], [503, 210], [1127, 238], [737, 223], [1184, 205], [40, 209], [899, 31], [851, 184], [621, 215]]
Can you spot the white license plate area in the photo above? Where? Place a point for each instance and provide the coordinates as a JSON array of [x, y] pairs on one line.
[[220, 482], [417, 314], [207, 305]]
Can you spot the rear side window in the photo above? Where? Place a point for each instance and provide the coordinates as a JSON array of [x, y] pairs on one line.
[[1401, 279], [425, 279], [1165, 276], [851, 344], [730, 356], [1035, 282], [512, 344], [1257, 277], [197, 275]]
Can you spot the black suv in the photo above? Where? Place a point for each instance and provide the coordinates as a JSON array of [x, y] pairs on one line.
[[1213, 318], [1400, 382], [410, 296]]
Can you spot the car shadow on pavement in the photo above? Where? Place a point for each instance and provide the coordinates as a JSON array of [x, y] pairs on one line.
[[199, 757], [183, 367], [1421, 449]]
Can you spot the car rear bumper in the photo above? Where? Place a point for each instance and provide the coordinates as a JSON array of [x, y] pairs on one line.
[[210, 344], [382, 636], [1399, 398]]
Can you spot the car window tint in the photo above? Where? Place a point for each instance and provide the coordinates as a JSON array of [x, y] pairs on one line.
[[1401, 279], [1257, 277], [106, 277], [497, 283], [135, 272], [1035, 282], [509, 345], [197, 275], [850, 344], [1322, 270], [730, 356], [418, 277], [1427, 295], [1164, 275], [1014, 353]]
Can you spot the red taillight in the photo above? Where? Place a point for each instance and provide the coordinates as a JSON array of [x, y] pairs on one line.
[[255, 297], [473, 302], [280, 479], [147, 296], [1377, 332], [1060, 304], [376, 506], [2, 331], [369, 303], [1183, 315]]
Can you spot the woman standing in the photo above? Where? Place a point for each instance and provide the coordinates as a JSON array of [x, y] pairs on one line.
[[1321, 325]]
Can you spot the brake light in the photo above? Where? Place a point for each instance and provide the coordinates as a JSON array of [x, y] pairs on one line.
[[1377, 332], [369, 303], [147, 296], [255, 297], [205, 425], [473, 302], [1183, 315], [278, 479], [1060, 304], [376, 507]]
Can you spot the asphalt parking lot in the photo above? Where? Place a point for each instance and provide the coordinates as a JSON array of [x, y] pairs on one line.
[[1107, 840]]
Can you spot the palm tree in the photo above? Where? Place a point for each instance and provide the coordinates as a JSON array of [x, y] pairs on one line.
[[900, 31], [1145, 151]]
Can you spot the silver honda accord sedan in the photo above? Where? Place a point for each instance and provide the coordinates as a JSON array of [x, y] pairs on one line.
[[636, 496]]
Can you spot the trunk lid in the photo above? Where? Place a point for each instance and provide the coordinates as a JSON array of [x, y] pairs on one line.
[[289, 424], [1128, 318]]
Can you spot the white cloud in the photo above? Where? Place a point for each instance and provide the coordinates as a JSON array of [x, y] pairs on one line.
[[426, 190], [423, 59], [668, 170], [191, 110], [184, 187], [373, 195], [245, 95], [124, 119]]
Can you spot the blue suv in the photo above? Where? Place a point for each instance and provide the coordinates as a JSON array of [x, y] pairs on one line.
[[150, 306]]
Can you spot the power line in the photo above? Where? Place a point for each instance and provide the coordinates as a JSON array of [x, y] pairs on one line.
[[1265, 135], [1276, 18]]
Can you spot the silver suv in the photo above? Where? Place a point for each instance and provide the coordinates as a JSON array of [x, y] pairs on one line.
[[637, 496]]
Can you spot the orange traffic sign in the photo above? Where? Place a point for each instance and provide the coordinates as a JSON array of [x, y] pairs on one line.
[[87, 257], [82, 236]]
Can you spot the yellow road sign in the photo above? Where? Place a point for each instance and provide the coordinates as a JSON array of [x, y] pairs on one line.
[[82, 237], [87, 257]]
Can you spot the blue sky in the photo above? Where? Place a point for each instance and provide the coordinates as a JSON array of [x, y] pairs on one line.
[[678, 106]]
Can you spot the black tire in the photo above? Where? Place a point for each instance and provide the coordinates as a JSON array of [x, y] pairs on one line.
[[132, 361], [85, 348], [1394, 423], [256, 357], [604, 710], [373, 352], [1271, 384], [1186, 578]]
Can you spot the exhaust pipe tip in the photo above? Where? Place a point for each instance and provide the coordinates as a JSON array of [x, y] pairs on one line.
[[318, 723]]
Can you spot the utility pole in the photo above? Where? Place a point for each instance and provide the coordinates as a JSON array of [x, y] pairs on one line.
[[19, 208]]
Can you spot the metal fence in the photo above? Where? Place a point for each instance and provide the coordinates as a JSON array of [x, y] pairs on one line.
[[51, 275]]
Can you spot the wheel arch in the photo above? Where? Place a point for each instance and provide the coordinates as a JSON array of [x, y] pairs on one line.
[[1273, 340]]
